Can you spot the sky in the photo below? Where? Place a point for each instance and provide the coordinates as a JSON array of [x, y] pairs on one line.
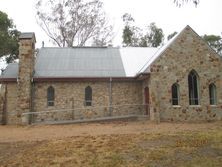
[[204, 19]]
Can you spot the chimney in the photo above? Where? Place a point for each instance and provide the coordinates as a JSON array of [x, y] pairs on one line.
[[26, 68]]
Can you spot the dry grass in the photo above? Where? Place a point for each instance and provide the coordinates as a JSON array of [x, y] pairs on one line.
[[184, 147]]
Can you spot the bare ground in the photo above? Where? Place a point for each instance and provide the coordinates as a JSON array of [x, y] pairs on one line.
[[48, 132], [112, 144]]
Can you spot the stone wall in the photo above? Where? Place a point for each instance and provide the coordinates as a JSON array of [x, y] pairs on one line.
[[127, 93], [188, 52], [2, 94], [11, 104], [69, 97]]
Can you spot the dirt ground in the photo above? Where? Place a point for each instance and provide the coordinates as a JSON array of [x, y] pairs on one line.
[[133, 144], [48, 132]]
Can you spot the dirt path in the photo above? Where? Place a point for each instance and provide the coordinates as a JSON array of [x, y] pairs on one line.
[[43, 132]]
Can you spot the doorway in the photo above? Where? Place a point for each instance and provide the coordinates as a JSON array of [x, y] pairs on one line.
[[146, 100]]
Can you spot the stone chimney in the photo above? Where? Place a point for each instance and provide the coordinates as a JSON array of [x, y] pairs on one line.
[[26, 68]]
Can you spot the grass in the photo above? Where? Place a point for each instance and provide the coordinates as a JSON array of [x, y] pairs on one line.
[[190, 148]]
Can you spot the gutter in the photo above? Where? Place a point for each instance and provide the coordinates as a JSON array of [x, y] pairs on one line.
[[137, 78], [77, 79], [6, 80]]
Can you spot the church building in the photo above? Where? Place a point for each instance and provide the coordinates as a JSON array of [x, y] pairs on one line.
[[181, 81]]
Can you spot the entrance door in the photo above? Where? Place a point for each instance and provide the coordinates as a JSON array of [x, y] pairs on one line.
[[147, 100]]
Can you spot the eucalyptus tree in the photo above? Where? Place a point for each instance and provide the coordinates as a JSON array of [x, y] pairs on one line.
[[8, 38], [71, 23]]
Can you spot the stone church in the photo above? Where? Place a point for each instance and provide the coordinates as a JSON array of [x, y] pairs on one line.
[[181, 81]]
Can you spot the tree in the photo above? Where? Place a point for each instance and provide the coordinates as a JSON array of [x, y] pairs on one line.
[[180, 3], [8, 38], [130, 32], [154, 36], [135, 36], [103, 38], [215, 42], [171, 35], [73, 22]]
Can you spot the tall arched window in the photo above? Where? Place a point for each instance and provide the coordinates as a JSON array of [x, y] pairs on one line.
[[212, 94], [88, 96], [175, 94], [193, 83], [50, 96]]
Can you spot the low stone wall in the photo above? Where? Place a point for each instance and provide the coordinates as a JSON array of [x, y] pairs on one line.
[[87, 113]]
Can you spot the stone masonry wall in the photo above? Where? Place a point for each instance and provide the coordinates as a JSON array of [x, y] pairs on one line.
[[11, 104], [2, 94], [128, 97], [70, 95], [188, 52]]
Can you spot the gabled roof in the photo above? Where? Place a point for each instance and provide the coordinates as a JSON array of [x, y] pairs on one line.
[[11, 71], [86, 62], [79, 62], [134, 58], [93, 62]]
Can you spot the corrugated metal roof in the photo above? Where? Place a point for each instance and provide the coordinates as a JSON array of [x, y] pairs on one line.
[[90, 62], [79, 62], [134, 58], [11, 71], [87, 62]]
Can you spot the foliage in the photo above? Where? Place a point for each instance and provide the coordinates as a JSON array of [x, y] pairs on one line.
[[74, 22], [8, 38], [154, 36], [171, 35], [130, 32], [180, 3], [215, 42], [135, 36]]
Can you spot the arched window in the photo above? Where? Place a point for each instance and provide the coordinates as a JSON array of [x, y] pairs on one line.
[[175, 94], [50, 96], [193, 83], [212, 94], [88, 96]]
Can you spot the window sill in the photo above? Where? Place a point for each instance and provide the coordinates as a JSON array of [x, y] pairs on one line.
[[176, 106], [193, 106], [213, 105]]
